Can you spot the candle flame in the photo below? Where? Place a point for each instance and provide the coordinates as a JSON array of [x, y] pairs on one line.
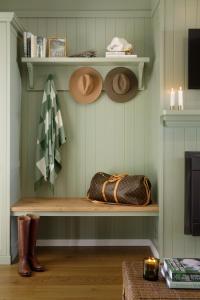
[[151, 259]]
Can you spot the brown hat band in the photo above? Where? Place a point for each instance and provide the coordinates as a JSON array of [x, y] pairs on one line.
[[85, 85], [121, 84]]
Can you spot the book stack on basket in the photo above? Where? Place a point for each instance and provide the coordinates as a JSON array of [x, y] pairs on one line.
[[182, 273]]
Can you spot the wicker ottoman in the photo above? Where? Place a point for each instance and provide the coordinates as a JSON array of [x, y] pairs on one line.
[[135, 287]]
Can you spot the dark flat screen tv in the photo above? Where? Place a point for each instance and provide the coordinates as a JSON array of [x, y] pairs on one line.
[[194, 59]]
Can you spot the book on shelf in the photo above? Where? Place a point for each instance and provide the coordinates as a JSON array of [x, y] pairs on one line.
[[41, 46], [27, 43], [182, 269], [119, 54], [34, 46], [179, 284]]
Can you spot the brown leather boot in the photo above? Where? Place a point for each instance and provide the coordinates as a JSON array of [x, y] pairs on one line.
[[32, 257], [23, 244]]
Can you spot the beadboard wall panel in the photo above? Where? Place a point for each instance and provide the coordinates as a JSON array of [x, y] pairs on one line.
[[104, 136], [153, 109], [4, 132], [9, 131], [66, 5], [177, 141], [15, 128], [179, 16]]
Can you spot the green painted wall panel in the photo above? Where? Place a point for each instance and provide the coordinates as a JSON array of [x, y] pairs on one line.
[[127, 137], [179, 16], [105, 136], [177, 141], [93, 228], [50, 5], [153, 149]]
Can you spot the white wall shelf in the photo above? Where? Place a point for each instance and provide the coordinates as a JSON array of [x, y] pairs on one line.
[[83, 61], [184, 118]]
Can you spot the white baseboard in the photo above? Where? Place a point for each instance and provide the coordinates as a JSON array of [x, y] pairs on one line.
[[5, 260], [14, 252], [154, 249], [99, 243]]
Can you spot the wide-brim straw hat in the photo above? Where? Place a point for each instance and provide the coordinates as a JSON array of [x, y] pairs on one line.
[[85, 85], [121, 84]]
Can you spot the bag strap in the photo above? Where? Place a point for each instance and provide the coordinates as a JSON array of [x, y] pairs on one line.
[[103, 190], [148, 191], [114, 178]]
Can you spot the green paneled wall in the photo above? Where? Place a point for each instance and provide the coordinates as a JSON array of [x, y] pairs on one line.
[[179, 16], [122, 137], [105, 136], [177, 140], [60, 5], [155, 128]]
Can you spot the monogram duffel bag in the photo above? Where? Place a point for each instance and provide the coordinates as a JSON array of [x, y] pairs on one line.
[[120, 189]]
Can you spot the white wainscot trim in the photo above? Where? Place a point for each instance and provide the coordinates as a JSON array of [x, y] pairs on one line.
[[5, 260]]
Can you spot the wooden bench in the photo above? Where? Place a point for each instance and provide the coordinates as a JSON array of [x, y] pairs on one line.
[[78, 207]]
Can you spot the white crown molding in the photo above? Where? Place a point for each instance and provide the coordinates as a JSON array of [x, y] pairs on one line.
[[155, 7], [6, 16], [10, 17], [17, 25], [85, 14]]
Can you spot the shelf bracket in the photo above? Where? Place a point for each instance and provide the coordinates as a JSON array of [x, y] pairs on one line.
[[140, 76], [30, 74]]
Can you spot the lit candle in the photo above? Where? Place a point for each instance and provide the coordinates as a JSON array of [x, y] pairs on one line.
[[151, 268], [172, 99], [180, 99]]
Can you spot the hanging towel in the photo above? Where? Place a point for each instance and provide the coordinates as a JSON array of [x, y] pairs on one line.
[[51, 136]]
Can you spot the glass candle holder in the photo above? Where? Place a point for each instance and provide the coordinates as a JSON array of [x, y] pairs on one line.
[[151, 268]]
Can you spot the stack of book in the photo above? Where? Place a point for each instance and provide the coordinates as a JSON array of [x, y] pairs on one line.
[[182, 273], [119, 54], [34, 46]]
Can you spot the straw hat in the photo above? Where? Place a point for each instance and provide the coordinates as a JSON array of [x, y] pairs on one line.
[[121, 84], [85, 85]]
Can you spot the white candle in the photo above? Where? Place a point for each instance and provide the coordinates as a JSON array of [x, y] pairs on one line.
[[172, 99], [180, 98]]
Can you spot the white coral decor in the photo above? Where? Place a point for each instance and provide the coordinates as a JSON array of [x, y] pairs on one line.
[[119, 44]]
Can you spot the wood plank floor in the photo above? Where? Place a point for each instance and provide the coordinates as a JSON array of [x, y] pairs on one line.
[[75, 273]]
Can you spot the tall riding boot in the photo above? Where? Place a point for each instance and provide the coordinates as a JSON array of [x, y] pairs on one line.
[[23, 244], [32, 257]]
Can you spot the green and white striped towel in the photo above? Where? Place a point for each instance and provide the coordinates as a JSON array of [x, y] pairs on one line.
[[51, 136]]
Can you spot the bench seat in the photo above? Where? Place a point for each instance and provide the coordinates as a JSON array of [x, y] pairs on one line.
[[78, 207]]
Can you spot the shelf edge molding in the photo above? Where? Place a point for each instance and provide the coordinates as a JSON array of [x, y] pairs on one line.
[[184, 118], [83, 61]]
